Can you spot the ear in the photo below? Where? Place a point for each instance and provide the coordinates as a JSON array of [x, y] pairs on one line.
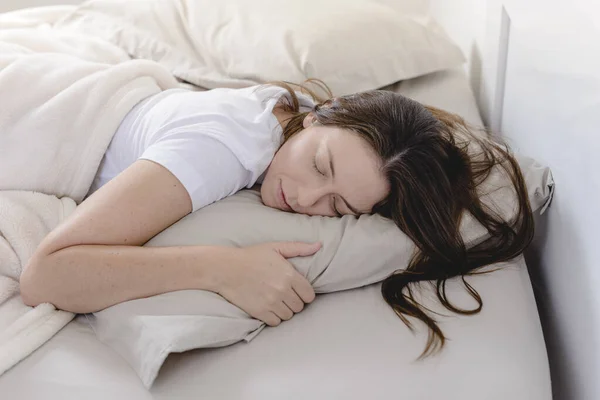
[[309, 120]]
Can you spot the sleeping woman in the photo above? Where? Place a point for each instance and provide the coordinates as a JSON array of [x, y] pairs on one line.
[[375, 152]]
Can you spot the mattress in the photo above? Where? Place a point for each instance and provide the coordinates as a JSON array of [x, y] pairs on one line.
[[347, 345]]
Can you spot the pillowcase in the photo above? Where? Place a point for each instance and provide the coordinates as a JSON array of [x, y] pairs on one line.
[[355, 252], [351, 45]]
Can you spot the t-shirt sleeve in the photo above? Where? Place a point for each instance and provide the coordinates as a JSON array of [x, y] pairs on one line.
[[207, 169]]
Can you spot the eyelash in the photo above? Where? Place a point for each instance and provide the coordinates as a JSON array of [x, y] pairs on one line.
[[335, 210], [317, 168]]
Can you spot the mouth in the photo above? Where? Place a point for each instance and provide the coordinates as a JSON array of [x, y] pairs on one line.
[[282, 201]]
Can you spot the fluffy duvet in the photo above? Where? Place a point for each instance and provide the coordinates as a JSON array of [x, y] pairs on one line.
[[62, 97]]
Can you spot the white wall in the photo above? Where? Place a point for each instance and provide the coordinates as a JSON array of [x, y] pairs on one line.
[[551, 111], [547, 103]]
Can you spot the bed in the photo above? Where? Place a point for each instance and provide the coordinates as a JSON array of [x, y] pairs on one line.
[[346, 345]]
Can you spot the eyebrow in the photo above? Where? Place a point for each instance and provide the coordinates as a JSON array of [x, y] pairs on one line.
[[354, 210]]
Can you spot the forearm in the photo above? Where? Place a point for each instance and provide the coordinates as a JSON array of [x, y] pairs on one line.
[[89, 278]]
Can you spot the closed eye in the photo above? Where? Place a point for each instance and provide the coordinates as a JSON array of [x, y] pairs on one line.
[[316, 167]]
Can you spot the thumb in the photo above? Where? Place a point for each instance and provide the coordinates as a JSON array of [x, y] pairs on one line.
[[296, 249]]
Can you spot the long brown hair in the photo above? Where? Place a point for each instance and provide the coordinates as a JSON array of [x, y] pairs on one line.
[[435, 163]]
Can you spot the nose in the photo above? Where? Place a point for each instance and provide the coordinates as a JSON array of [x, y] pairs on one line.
[[310, 197]]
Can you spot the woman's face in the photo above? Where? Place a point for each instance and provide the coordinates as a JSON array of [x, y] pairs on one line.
[[326, 171]]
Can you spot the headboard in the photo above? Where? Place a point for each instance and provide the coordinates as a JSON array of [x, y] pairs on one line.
[[535, 68]]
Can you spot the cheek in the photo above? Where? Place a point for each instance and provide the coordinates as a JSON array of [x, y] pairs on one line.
[[290, 156]]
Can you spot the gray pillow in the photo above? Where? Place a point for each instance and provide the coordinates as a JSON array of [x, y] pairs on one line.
[[355, 252]]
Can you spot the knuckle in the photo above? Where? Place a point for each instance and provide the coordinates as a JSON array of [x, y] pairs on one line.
[[282, 288], [272, 299]]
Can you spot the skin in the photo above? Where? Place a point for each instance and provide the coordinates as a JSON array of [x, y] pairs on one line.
[[95, 258], [326, 171]]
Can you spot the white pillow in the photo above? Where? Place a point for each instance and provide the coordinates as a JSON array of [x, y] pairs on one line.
[[355, 252], [350, 45]]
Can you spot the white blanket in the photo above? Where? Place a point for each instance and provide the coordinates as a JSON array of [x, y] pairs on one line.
[[25, 218], [62, 111], [62, 96]]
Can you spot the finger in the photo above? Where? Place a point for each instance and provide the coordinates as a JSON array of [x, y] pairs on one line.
[[296, 249], [294, 302], [269, 318], [303, 288], [283, 311]]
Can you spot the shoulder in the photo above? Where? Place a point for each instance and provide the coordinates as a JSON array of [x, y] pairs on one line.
[[242, 103]]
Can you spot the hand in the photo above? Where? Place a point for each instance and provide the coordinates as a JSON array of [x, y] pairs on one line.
[[263, 283]]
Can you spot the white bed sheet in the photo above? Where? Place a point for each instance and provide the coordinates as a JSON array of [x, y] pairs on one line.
[[347, 345]]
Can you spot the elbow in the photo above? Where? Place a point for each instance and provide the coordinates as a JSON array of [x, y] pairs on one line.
[[34, 283], [42, 282]]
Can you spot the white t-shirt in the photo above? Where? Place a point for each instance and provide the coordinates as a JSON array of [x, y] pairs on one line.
[[215, 142]]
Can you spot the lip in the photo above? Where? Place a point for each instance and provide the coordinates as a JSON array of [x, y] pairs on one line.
[[283, 203]]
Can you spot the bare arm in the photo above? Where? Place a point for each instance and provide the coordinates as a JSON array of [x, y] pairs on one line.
[[89, 278], [94, 259]]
